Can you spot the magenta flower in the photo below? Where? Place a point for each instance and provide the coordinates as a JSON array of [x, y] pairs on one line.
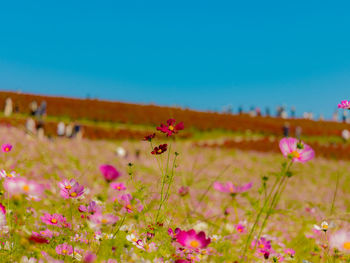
[[262, 244], [171, 127], [345, 104], [231, 188], [71, 189], [6, 147], [118, 186], [290, 252], [192, 240], [109, 172], [183, 190], [54, 220], [296, 150], [64, 249], [240, 228], [105, 219], [2, 209]]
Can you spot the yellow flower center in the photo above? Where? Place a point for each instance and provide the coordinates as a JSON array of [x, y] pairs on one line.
[[346, 245], [324, 227], [295, 154], [104, 221], [7, 149], [68, 187], [171, 127], [118, 187], [64, 251], [160, 150], [74, 194], [25, 188], [194, 244], [54, 220], [261, 245], [128, 206]]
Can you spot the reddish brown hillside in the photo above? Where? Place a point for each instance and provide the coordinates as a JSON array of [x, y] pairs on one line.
[[150, 114]]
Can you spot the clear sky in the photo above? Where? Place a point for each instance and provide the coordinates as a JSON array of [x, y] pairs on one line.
[[198, 54]]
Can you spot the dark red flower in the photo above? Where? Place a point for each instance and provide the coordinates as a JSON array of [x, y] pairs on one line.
[[160, 149], [149, 137], [171, 127], [38, 239]]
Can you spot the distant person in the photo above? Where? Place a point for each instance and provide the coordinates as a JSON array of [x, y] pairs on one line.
[[267, 112], [41, 112], [298, 131], [30, 126], [292, 112], [278, 111], [345, 135], [8, 107], [286, 129], [40, 128], [321, 118], [252, 112], [284, 114], [77, 132], [240, 110], [61, 129], [345, 113], [258, 111], [33, 107], [69, 130]]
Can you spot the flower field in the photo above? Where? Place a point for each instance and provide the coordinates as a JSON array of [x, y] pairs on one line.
[[161, 199]]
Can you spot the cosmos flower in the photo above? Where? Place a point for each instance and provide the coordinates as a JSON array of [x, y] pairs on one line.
[[129, 204], [4, 174], [6, 147], [290, 252], [160, 149], [105, 219], [344, 105], [240, 228], [340, 240], [296, 150], [64, 249], [171, 127], [149, 137], [231, 188], [92, 208], [54, 220], [262, 244], [109, 172], [2, 209], [324, 226], [118, 186], [192, 240], [71, 189], [20, 185], [183, 190]]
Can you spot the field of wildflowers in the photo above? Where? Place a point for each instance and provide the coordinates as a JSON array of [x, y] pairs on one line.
[[163, 200]]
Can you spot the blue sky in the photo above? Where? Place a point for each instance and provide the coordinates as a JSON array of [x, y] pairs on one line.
[[198, 54]]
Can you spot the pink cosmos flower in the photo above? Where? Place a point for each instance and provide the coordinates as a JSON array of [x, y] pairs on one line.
[[192, 240], [344, 105], [64, 249], [240, 228], [109, 172], [20, 185], [54, 219], [296, 150], [171, 127], [183, 190], [118, 186], [6, 147], [290, 252], [89, 257], [340, 240], [263, 245], [105, 219], [129, 204], [71, 189], [231, 188]]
